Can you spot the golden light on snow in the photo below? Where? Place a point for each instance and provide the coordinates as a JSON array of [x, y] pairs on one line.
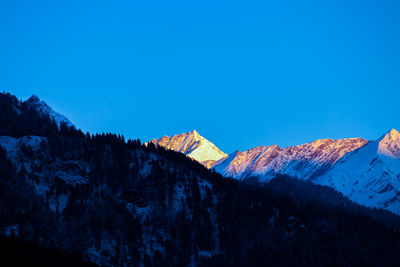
[[194, 146]]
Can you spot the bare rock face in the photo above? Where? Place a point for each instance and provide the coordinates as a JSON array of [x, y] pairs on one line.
[[304, 161], [193, 145]]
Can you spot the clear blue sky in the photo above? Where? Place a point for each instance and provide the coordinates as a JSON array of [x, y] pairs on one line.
[[243, 73]]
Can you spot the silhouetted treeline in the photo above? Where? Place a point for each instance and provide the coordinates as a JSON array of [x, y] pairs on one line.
[[122, 203]]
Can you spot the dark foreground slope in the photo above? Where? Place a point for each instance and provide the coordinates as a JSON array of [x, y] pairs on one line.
[[119, 203], [15, 252], [324, 196]]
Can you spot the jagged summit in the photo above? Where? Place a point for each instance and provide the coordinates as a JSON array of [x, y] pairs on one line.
[[394, 135], [193, 145], [302, 161], [369, 175], [394, 132], [40, 106], [194, 132], [389, 144]]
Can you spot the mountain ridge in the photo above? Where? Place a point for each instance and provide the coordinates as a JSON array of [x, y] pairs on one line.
[[301, 161], [369, 175], [120, 203], [316, 162], [193, 145], [43, 108]]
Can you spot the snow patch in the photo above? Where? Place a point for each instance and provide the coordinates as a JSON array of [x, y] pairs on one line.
[[40, 106]]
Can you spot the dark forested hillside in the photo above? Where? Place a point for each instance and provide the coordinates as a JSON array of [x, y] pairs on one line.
[[16, 252], [120, 203], [17, 119], [323, 196]]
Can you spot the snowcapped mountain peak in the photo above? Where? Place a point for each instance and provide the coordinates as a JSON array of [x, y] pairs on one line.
[[40, 106], [394, 131], [389, 144], [303, 161], [194, 132], [369, 175], [394, 135], [193, 145]]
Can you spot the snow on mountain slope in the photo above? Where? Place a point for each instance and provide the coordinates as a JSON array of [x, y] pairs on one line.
[[238, 163], [35, 103], [389, 144], [369, 175], [67, 171], [13, 145], [304, 161], [193, 145], [368, 172]]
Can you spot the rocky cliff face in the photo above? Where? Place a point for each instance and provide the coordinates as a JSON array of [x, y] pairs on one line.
[[303, 162], [193, 145]]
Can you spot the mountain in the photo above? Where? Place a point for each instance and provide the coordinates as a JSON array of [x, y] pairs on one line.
[[193, 145], [43, 109], [324, 195], [368, 172], [30, 117], [303, 162], [369, 175], [116, 202]]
